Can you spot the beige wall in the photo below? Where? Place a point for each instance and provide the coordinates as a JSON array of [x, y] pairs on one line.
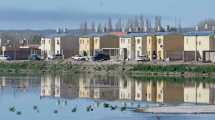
[[170, 46], [67, 45]]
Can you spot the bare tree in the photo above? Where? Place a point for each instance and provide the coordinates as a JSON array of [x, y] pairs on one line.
[[99, 28], [85, 27], [93, 29], [109, 27], [118, 25]]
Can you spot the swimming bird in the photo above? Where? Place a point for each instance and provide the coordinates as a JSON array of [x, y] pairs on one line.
[[113, 107], [18, 112], [74, 109], [106, 105], [123, 108], [55, 111], [12, 109], [90, 108], [35, 107]]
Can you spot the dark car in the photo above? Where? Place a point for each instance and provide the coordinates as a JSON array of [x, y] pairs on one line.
[[101, 57], [34, 57]]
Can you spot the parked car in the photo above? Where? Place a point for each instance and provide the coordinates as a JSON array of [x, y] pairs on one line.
[[142, 58], [34, 57], [80, 58], [5, 57], [101, 57]]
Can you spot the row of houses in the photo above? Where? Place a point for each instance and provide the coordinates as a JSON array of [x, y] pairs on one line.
[[197, 45]]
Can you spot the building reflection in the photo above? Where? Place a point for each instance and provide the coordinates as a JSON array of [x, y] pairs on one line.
[[107, 87], [99, 87], [59, 87], [202, 93], [126, 88], [168, 92]]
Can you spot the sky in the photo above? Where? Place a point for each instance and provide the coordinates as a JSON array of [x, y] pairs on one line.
[[48, 14]]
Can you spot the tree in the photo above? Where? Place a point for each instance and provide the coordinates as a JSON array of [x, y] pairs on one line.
[[109, 27], [93, 29], [85, 27], [118, 25], [99, 28]]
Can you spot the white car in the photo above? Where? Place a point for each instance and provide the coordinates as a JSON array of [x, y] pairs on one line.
[[4, 58], [80, 58], [142, 58]]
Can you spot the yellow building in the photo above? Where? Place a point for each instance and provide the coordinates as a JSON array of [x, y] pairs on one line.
[[86, 45], [151, 47], [127, 47], [195, 43], [108, 43], [66, 45], [141, 45], [169, 45]]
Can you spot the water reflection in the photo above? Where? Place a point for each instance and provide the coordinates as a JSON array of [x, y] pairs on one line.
[[113, 88]]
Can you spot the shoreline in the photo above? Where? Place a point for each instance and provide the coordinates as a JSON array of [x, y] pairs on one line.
[[195, 109], [61, 67]]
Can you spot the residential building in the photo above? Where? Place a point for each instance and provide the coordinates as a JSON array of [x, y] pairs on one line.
[[152, 47], [141, 44], [59, 44], [127, 47], [170, 45], [67, 45], [108, 43], [195, 43], [86, 45], [47, 47]]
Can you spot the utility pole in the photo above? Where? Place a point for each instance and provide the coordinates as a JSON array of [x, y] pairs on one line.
[[196, 42]]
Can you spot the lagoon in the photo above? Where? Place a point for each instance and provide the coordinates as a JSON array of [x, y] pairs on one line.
[[56, 96]]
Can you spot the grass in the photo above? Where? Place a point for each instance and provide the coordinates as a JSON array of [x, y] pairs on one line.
[[174, 68]]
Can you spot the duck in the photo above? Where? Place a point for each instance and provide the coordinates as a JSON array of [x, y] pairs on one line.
[[55, 111], [123, 108], [12, 109], [113, 107], [74, 109], [106, 105], [18, 112]]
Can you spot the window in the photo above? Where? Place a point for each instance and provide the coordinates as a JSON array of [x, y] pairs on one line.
[[159, 41], [149, 41], [187, 41], [138, 41], [58, 42], [138, 53]]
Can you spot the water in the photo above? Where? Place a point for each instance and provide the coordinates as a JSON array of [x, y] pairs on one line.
[[55, 96]]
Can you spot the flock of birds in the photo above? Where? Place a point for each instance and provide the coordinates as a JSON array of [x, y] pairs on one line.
[[89, 108]]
